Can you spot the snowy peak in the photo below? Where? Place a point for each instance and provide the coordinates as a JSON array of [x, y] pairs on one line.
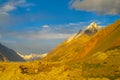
[[93, 25], [92, 28], [89, 30]]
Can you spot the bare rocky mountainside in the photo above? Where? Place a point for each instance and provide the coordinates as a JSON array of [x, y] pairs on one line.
[[90, 54], [7, 54]]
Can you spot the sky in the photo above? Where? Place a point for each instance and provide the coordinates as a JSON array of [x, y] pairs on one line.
[[38, 26]]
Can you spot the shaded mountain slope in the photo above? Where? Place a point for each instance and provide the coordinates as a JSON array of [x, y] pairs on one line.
[[7, 54]]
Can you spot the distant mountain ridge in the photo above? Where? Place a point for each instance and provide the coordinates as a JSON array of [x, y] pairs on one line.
[[7, 54], [31, 57]]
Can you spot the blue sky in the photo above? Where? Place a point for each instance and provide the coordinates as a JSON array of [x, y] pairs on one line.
[[37, 26]]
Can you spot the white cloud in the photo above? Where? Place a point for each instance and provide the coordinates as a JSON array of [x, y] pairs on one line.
[[75, 24], [48, 36], [8, 7], [61, 31], [12, 5], [100, 6], [45, 33], [45, 26]]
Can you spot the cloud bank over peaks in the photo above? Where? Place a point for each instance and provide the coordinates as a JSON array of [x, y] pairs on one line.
[[47, 32], [110, 7]]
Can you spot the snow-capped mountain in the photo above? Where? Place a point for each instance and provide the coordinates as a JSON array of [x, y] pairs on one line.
[[93, 25], [92, 28], [30, 57], [89, 30]]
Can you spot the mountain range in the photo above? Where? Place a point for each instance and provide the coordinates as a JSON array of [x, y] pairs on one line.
[[91, 54], [74, 44], [31, 57]]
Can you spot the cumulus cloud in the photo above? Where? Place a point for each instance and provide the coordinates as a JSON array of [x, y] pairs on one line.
[[111, 7], [12, 5]]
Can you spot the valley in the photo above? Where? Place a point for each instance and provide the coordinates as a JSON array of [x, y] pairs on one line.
[[91, 54]]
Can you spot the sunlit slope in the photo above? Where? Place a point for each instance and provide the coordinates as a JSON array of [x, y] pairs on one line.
[[100, 66], [74, 44], [87, 44], [67, 49], [38, 70], [103, 40], [100, 55]]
